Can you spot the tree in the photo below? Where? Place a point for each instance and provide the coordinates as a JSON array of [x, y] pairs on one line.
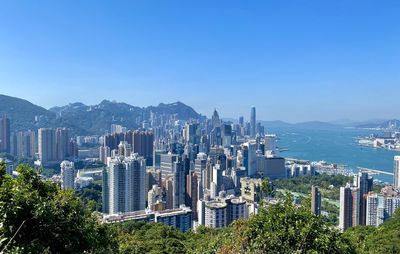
[[36, 217], [285, 228], [267, 188]]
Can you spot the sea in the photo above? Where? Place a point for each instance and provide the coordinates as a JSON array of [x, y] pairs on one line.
[[335, 145]]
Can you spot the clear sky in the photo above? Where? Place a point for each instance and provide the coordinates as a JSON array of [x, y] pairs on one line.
[[294, 60]]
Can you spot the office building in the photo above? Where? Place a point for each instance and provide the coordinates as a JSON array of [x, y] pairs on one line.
[[67, 175], [273, 167], [249, 153], [179, 184], [215, 120], [315, 200], [166, 164], [253, 122], [270, 143]]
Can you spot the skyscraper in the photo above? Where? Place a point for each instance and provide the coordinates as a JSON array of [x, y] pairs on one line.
[[5, 143], [253, 122], [215, 214], [345, 212], [143, 145], [215, 120], [396, 172], [179, 183], [364, 184], [124, 189], [315, 200], [47, 145], [67, 175], [192, 192], [62, 143]]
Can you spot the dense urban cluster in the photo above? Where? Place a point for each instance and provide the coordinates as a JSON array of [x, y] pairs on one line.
[[191, 174]]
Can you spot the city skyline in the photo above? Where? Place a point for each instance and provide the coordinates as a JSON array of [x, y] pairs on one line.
[[268, 54]]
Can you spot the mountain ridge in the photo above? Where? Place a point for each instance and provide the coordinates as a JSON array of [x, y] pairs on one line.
[[85, 119]]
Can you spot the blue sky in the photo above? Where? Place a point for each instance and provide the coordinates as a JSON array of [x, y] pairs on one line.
[[293, 60]]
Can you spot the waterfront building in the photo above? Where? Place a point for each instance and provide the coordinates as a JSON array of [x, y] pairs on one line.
[[270, 143], [273, 167], [67, 175]]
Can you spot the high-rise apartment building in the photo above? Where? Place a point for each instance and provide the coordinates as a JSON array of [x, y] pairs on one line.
[[345, 213], [67, 175], [192, 195], [25, 144], [396, 172], [364, 184], [316, 200], [143, 145], [5, 142], [124, 189], [215, 214], [62, 143], [47, 145]]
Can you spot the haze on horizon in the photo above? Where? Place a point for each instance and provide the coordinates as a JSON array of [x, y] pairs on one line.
[[294, 60]]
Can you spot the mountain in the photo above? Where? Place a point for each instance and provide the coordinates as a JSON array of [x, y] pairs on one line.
[[24, 114], [317, 125], [97, 119], [84, 119], [382, 125]]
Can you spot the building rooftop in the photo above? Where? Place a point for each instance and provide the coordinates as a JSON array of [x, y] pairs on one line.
[[216, 204]]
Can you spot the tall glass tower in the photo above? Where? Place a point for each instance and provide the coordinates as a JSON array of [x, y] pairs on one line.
[[253, 122]]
